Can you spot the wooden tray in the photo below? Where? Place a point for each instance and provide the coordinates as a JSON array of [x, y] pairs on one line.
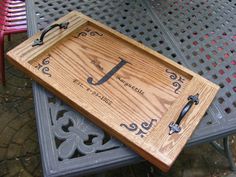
[[144, 99]]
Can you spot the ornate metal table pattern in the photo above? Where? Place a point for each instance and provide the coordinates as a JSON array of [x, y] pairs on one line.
[[194, 34]]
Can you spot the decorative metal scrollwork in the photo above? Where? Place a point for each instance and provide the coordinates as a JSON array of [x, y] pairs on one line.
[[75, 135]]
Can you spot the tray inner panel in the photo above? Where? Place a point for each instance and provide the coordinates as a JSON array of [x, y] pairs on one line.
[[111, 78]]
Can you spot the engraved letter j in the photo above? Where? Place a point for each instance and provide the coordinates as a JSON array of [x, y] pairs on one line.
[[109, 74]]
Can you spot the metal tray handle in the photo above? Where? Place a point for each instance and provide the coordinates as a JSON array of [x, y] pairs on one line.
[[174, 127], [46, 30]]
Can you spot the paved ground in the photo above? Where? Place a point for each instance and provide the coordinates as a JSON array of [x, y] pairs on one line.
[[19, 150]]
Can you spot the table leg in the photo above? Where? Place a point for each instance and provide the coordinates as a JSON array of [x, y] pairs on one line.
[[225, 150]]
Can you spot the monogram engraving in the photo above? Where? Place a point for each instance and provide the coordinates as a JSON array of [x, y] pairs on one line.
[[93, 92], [109, 74], [129, 85], [43, 66], [140, 131], [177, 80], [97, 64]]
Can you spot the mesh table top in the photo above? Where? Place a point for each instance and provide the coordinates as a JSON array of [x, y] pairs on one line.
[[200, 35]]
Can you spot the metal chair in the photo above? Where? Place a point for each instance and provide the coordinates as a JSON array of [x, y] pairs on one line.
[[12, 20]]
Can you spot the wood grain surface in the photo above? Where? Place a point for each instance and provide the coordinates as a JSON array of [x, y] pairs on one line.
[[131, 91]]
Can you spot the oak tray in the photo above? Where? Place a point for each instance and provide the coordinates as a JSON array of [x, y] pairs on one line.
[[149, 102]]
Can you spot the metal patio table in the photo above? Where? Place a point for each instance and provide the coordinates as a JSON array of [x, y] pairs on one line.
[[198, 34]]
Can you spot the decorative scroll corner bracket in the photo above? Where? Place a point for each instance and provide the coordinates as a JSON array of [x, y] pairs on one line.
[[175, 126], [140, 130]]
